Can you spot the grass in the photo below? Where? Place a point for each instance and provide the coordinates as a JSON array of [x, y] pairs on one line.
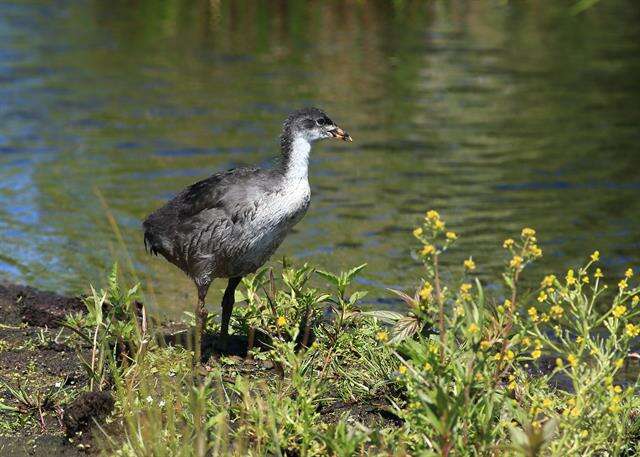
[[550, 371]]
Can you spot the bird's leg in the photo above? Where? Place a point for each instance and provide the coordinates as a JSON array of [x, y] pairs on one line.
[[227, 307], [201, 322]]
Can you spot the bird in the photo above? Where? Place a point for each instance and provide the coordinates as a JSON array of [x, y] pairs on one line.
[[229, 224]]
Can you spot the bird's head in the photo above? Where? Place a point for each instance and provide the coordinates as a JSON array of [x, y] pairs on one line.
[[313, 124]]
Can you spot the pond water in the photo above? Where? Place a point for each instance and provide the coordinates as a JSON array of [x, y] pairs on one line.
[[498, 114]]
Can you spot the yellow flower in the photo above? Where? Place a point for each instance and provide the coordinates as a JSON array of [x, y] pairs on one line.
[[628, 273], [535, 251], [548, 281], [547, 403], [382, 336], [557, 311], [439, 224], [509, 355], [542, 296], [544, 317], [516, 262], [598, 274], [417, 232], [432, 215], [570, 278], [632, 330], [508, 243], [584, 434], [619, 310], [507, 304], [473, 329], [428, 249], [536, 354], [585, 279], [595, 256], [533, 314], [484, 345], [618, 363], [559, 362], [464, 291], [479, 377], [573, 361], [469, 264], [622, 285], [614, 407], [526, 341], [451, 236], [635, 300], [426, 291], [528, 232], [402, 369], [460, 310], [281, 321], [427, 366]]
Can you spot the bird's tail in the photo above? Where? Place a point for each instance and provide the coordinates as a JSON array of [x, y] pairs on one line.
[[151, 244]]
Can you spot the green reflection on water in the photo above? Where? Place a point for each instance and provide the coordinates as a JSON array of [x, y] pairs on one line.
[[498, 115]]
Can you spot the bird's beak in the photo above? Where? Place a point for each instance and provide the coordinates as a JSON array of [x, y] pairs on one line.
[[340, 134]]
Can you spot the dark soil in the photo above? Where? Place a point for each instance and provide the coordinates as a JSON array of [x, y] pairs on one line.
[[32, 306], [47, 371], [79, 415]]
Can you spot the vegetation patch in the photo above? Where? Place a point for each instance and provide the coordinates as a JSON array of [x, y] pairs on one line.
[[312, 371]]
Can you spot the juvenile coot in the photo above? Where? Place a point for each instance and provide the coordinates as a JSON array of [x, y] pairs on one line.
[[229, 224]]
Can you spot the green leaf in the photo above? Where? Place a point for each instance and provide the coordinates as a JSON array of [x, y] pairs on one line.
[[329, 276], [354, 271], [404, 328], [356, 296], [390, 317]]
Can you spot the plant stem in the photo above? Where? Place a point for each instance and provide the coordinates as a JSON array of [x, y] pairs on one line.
[[436, 281], [307, 328], [250, 341], [94, 349]]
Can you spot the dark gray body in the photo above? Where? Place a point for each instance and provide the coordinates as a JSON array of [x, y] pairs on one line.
[[229, 224]]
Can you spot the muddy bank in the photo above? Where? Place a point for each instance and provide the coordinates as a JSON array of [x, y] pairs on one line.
[[24, 304], [40, 368]]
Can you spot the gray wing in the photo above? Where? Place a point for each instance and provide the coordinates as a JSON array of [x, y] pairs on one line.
[[187, 229]]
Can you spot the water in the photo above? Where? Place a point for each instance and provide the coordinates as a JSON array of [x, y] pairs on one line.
[[500, 115]]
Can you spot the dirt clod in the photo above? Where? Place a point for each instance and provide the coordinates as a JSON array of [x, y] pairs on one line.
[[87, 409]]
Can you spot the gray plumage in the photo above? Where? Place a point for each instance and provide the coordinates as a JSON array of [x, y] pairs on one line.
[[228, 225]]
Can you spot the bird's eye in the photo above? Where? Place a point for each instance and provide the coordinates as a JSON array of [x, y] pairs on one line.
[[321, 121]]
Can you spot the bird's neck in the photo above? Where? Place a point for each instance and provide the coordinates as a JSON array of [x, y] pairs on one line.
[[295, 156]]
